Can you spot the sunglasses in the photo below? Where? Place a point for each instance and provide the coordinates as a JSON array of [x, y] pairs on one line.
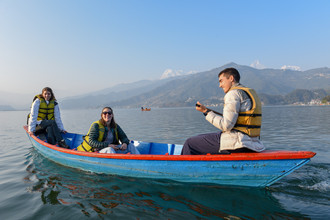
[[109, 113]]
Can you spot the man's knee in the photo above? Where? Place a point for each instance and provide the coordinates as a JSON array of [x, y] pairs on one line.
[[190, 140], [189, 143]]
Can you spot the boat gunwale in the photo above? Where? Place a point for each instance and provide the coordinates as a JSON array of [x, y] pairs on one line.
[[265, 155]]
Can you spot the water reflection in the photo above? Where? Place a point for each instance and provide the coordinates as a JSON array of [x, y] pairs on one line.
[[96, 195], [62, 192]]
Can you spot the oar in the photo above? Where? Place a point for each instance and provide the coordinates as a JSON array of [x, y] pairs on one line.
[[218, 113]]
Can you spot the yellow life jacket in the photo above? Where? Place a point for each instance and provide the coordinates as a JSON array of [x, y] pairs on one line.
[[249, 122], [84, 146], [45, 112]]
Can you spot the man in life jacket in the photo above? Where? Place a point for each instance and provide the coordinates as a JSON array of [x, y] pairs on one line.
[[240, 123], [45, 118]]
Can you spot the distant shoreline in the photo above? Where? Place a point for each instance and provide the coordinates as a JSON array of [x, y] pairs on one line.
[[177, 107]]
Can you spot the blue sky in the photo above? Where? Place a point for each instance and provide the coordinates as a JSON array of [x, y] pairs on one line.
[[80, 46]]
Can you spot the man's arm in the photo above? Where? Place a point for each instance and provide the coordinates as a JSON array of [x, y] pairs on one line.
[[230, 112]]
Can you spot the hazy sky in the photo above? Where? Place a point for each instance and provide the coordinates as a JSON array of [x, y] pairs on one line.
[[80, 46]]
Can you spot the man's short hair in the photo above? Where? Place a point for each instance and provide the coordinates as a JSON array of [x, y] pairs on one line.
[[230, 72]]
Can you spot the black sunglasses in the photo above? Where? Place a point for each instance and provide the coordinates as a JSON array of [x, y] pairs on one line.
[[109, 113]]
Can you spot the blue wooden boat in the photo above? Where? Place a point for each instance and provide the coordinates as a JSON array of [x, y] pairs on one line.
[[163, 161]]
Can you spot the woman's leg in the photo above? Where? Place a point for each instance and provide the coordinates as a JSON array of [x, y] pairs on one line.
[[53, 133], [108, 150], [52, 130], [130, 149]]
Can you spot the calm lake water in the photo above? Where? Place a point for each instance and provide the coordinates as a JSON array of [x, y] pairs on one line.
[[33, 187]]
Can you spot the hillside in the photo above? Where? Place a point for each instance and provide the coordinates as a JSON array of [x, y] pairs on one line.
[[294, 97], [116, 93], [6, 108], [272, 84]]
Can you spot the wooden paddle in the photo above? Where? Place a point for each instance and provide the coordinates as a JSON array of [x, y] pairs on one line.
[[218, 113]]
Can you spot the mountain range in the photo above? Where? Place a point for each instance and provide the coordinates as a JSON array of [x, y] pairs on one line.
[[274, 86], [203, 86]]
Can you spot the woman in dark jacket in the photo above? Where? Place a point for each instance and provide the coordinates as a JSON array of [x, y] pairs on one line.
[[106, 136]]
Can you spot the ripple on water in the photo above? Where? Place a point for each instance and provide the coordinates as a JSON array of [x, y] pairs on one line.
[[33, 187]]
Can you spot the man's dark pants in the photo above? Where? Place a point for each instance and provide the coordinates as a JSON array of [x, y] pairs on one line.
[[202, 144]]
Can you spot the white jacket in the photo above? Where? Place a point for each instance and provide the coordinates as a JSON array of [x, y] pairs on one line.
[[235, 101], [33, 122]]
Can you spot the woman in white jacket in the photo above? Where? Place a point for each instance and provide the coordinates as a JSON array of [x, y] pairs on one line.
[[45, 118]]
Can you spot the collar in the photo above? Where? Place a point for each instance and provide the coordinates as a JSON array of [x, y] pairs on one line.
[[236, 84]]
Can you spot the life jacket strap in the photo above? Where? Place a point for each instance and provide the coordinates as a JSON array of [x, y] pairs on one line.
[[252, 115], [247, 126], [82, 144]]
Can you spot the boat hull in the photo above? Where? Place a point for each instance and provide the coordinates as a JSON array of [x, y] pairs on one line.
[[238, 170]]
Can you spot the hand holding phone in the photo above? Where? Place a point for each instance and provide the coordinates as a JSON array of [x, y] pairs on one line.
[[201, 110]]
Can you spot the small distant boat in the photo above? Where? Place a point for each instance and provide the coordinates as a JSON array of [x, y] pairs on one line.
[[145, 109], [163, 161]]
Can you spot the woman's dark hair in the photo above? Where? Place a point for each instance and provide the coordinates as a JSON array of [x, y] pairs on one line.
[[112, 123], [48, 90], [230, 72]]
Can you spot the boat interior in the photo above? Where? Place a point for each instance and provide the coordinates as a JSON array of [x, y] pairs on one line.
[[74, 140]]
